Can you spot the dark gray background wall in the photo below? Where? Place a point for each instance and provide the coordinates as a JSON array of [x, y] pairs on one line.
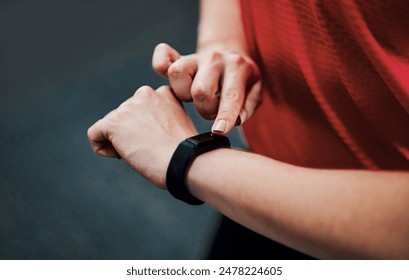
[[63, 65]]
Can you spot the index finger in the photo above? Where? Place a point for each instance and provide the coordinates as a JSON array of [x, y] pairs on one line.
[[232, 95]]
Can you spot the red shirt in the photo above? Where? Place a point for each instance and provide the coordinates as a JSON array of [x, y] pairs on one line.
[[336, 82]]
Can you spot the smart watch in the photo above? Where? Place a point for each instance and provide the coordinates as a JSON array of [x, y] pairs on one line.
[[183, 156]]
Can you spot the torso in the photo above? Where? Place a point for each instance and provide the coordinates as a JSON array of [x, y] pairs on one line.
[[336, 82]]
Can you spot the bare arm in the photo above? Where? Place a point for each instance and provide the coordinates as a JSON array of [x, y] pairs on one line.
[[324, 213], [221, 26]]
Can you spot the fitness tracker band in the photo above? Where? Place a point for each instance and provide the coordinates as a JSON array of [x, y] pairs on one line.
[[185, 153]]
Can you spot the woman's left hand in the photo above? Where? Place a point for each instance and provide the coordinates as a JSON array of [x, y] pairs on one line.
[[144, 131]]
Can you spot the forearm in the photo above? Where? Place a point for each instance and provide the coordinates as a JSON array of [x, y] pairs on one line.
[[325, 213], [221, 25]]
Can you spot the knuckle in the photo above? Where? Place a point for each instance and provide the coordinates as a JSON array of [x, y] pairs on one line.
[[215, 56], [143, 90], [209, 114], [115, 114], [235, 59], [200, 92]]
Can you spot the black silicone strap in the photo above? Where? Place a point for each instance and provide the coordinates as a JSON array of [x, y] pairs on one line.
[[182, 158]]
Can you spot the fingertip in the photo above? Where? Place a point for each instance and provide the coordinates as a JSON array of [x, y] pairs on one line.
[[219, 127]]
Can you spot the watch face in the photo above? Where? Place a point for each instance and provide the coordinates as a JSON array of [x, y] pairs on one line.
[[202, 138], [209, 139]]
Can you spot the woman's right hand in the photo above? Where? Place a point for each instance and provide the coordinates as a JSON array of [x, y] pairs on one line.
[[224, 85]]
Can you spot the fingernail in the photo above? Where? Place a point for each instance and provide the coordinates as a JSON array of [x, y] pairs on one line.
[[238, 121], [243, 117], [219, 126]]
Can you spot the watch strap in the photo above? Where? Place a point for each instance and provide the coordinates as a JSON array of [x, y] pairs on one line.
[[182, 158]]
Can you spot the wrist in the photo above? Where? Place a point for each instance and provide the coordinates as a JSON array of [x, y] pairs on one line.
[[183, 157], [220, 26]]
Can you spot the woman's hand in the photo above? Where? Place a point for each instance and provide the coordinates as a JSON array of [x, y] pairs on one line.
[[201, 76], [145, 131]]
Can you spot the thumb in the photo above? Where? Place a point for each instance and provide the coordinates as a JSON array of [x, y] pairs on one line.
[[98, 137], [163, 56]]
